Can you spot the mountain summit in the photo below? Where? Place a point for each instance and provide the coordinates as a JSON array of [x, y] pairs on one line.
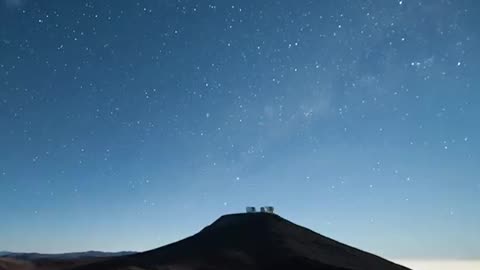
[[251, 241]]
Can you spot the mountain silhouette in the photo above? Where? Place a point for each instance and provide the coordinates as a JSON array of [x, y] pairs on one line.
[[253, 241]]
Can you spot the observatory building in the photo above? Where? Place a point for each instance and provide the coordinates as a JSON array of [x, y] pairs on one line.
[[263, 209]]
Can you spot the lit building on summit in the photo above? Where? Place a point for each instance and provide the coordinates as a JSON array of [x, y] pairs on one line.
[[263, 209]]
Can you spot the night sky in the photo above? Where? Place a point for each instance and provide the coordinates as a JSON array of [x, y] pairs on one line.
[[126, 125]]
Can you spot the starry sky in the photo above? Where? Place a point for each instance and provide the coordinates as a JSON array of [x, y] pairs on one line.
[[126, 125]]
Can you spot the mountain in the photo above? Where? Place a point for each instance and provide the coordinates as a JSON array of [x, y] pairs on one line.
[[253, 241]]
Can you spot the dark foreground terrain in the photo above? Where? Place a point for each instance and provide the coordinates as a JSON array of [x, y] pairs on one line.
[[243, 241], [36, 261]]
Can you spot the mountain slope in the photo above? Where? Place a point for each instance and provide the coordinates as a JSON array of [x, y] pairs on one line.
[[251, 241]]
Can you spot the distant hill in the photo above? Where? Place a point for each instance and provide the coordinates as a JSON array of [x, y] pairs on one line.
[[250, 242], [38, 261], [44, 264], [63, 256]]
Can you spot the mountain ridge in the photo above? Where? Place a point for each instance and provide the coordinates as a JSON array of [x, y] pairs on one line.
[[251, 241], [67, 255]]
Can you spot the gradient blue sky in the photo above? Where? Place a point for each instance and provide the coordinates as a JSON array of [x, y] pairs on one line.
[[125, 125]]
